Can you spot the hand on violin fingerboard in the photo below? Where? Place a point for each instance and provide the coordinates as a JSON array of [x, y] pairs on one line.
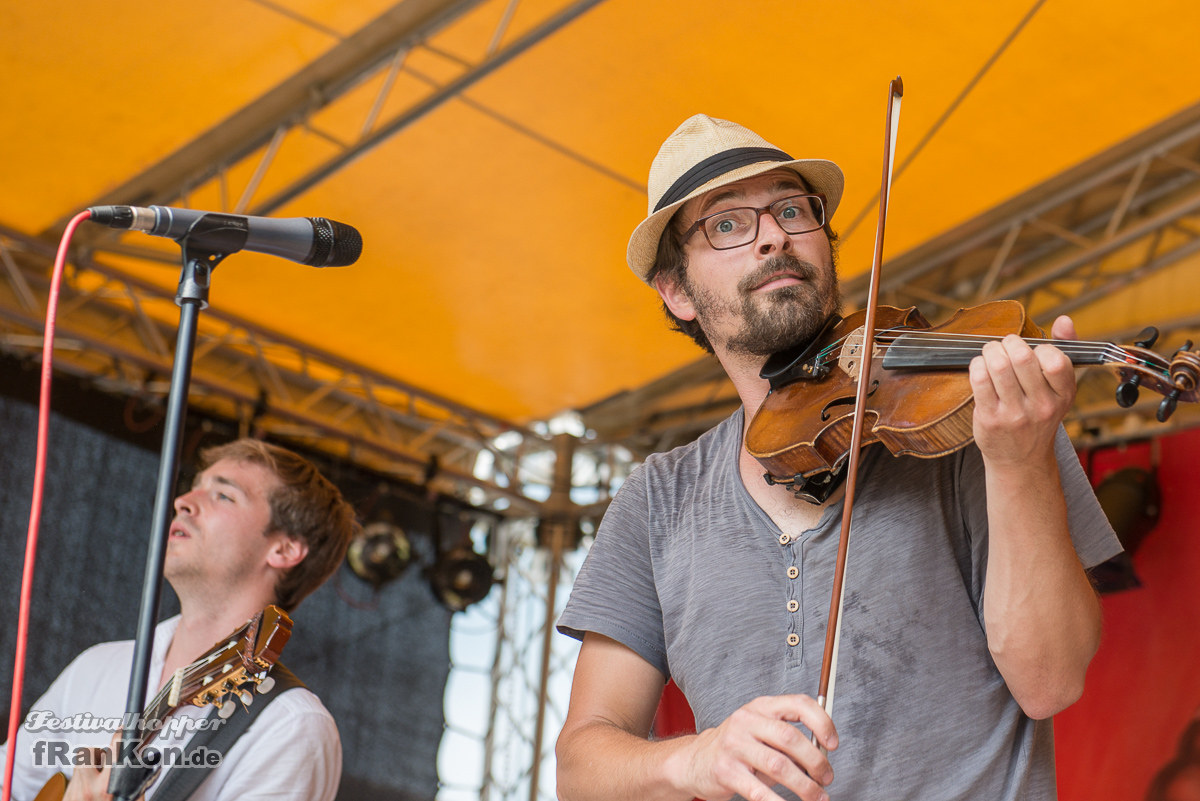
[[1022, 394]]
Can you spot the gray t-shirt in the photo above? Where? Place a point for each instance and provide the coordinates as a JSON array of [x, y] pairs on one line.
[[692, 575]]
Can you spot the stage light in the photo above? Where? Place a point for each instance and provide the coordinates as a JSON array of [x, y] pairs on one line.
[[461, 577], [380, 553], [1130, 500]]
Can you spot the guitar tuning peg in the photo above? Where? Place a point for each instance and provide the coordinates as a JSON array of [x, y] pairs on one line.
[[266, 685], [225, 710], [246, 697], [1147, 337]]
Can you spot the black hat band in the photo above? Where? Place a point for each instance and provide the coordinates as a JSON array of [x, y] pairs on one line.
[[716, 166]]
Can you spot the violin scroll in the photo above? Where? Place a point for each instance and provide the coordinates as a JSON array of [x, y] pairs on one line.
[[1185, 377]]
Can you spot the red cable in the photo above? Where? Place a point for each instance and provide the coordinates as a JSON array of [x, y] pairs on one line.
[[35, 511]]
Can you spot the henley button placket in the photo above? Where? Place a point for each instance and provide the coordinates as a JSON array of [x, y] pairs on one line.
[[792, 553]]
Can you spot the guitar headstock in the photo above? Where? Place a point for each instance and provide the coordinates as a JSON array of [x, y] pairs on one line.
[[235, 665]]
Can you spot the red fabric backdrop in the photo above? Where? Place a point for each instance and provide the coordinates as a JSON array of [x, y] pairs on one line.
[[1143, 687]]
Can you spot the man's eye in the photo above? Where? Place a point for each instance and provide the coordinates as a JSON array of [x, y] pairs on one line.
[[790, 212], [724, 226]]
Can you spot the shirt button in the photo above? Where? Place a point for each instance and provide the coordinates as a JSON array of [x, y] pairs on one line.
[[793, 640], [793, 605], [784, 539], [793, 571]]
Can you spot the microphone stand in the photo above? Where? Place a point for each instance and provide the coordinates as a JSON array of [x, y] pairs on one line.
[[207, 242]]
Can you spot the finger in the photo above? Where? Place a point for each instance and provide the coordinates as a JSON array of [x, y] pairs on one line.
[[795, 761], [778, 769], [1063, 328], [981, 385], [998, 361], [1030, 369], [799, 708], [1058, 370]]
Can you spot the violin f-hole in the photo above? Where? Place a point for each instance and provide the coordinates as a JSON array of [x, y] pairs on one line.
[[845, 401]]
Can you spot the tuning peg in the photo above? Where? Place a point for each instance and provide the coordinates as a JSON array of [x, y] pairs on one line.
[[1127, 391], [1147, 337], [266, 685], [1167, 406], [225, 710], [1187, 346], [247, 697]]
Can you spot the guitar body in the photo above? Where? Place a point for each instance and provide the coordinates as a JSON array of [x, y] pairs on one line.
[[53, 790]]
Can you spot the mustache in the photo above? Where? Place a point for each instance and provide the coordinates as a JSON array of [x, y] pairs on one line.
[[783, 262]]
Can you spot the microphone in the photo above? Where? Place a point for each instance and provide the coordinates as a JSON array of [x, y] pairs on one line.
[[315, 241]]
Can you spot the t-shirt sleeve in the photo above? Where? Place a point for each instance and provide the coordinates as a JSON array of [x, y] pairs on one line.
[[614, 593], [1091, 533]]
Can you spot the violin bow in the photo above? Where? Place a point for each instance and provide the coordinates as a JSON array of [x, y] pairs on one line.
[[834, 629]]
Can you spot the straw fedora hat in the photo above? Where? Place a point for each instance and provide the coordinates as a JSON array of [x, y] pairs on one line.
[[705, 153]]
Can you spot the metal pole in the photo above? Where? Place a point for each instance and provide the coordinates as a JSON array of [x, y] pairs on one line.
[[558, 509]]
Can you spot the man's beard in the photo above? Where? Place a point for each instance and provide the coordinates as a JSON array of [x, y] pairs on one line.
[[775, 320]]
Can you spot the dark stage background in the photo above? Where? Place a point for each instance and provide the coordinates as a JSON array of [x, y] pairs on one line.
[[378, 661]]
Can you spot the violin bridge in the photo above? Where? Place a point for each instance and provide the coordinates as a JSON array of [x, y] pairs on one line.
[[850, 356]]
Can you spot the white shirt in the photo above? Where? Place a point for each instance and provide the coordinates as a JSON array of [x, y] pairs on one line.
[[291, 751]]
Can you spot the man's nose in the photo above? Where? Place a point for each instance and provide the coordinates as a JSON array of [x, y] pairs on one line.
[[771, 237], [186, 503]]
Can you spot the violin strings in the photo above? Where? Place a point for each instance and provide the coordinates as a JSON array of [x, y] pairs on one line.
[[1103, 351], [920, 340]]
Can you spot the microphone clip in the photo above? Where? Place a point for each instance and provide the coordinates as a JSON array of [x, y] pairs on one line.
[[207, 242]]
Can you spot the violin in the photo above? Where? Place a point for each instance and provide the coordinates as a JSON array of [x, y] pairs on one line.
[[834, 396], [919, 399]]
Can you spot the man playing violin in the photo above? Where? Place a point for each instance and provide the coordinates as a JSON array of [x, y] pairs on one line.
[[969, 619], [259, 526]]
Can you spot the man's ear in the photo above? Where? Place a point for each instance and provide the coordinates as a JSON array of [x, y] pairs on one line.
[[675, 298], [286, 552]]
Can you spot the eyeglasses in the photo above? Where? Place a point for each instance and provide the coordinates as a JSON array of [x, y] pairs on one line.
[[732, 228]]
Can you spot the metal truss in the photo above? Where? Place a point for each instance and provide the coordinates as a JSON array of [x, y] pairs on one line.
[[531, 671], [1101, 227], [393, 60], [1086, 234], [119, 331], [531, 665]]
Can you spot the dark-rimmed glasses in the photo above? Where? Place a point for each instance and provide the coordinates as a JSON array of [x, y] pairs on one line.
[[732, 228]]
